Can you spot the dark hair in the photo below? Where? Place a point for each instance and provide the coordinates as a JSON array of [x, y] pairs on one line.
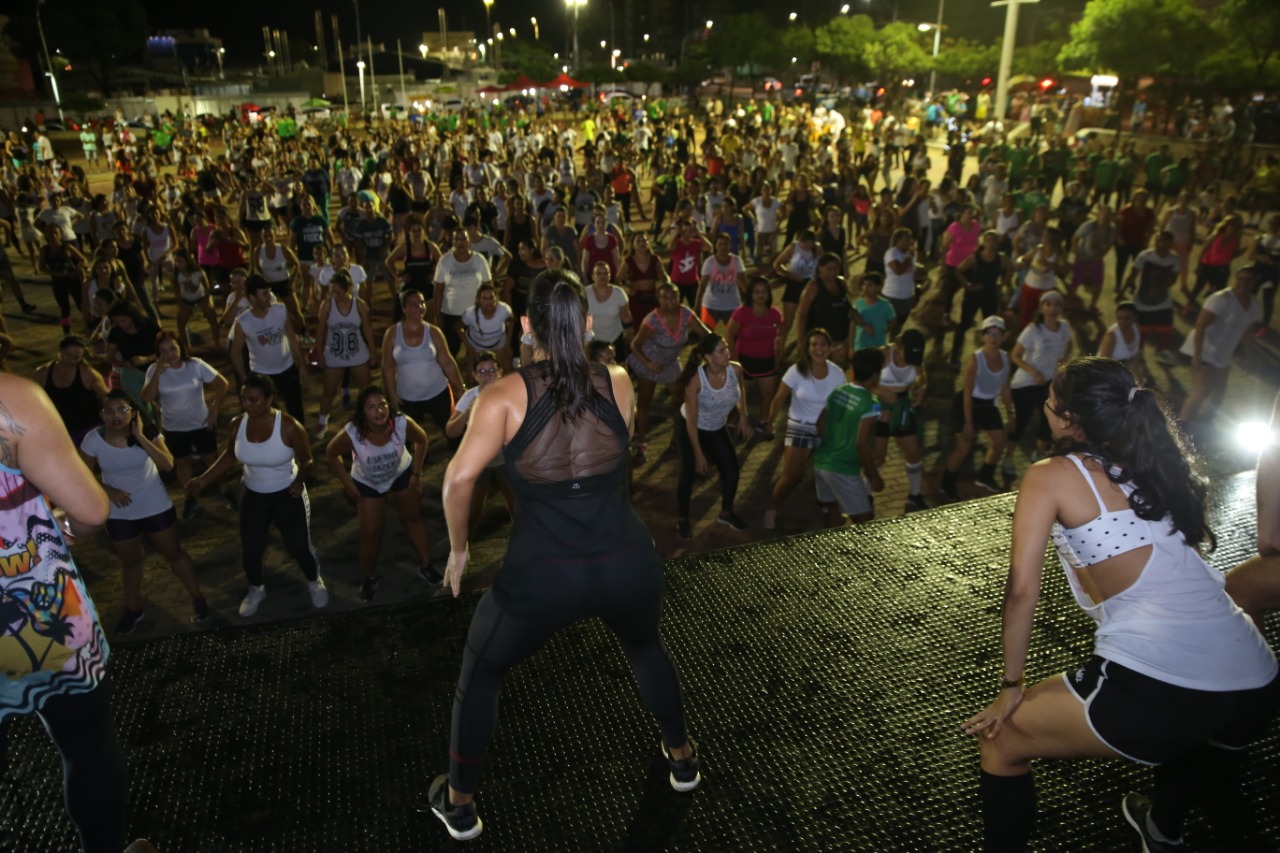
[[1126, 306], [120, 308], [804, 362], [342, 279], [828, 258], [260, 383], [705, 346], [768, 289], [121, 394], [596, 348], [867, 363], [254, 283], [72, 341], [485, 355], [358, 418], [558, 313], [1129, 430]]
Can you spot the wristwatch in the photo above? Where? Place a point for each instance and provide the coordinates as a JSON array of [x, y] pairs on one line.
[[1006, 683]]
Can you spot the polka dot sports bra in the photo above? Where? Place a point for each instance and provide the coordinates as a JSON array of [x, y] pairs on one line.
[[1111, 534]]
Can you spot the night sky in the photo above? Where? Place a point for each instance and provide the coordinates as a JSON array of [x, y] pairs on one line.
[[239, 22]]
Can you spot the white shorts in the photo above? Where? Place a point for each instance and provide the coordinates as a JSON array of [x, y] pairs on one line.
[[847, 490]]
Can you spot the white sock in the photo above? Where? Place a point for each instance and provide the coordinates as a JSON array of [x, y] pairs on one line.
[[323, 419], [915, 473]]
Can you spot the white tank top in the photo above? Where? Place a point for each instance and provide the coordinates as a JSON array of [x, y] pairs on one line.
[[898, 377], [158, 244], [344, 344], [191, 285], [269, 352], [418, 374], [804, 263], [269, 466], [987, 385], [378, 465], [273, 269], [1124, 350], [715, 404]]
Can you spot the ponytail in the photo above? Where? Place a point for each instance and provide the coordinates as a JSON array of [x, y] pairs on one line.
[[705, 346], [558, 313]]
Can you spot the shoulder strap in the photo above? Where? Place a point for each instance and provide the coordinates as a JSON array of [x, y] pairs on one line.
[[1088, 478]]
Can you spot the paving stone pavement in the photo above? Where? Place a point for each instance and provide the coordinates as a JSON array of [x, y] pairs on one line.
[[213, 541]]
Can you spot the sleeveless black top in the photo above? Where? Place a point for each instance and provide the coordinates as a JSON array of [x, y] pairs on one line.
[[572, 499], [77, 404], [830, 311]]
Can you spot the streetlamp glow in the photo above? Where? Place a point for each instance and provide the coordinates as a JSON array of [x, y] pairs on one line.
[[844, 10], [603, 44], [792, 17], [360, 68], [537, 35], [575, 5], [924, 28], [709, 23], [423, 49]]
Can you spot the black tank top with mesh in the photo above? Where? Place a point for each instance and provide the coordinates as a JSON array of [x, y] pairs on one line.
[[830, 311], [573, 503], [77, 404]]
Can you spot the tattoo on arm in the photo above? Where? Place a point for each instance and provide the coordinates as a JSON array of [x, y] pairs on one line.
[[10, 431]]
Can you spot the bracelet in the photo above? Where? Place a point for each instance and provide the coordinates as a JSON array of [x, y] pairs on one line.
[[1005, 683]]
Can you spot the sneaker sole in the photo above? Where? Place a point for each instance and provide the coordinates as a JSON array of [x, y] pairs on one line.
[[464, 835], [1132, 820], [990, 487], [727, 523], [685, 787]]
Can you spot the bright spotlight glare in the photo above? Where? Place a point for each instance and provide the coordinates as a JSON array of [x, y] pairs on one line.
[[1254, 436]]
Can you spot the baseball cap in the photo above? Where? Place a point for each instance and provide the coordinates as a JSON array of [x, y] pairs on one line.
[[993, 322], [913, 342]]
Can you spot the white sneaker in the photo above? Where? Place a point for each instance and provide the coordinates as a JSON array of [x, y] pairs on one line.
[[320, 432], [1166, 356], [252, 599], [319, 594]]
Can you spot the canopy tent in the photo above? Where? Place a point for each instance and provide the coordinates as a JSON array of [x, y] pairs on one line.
[[311, 103], [492, 89], [521, 83], [565, 80]]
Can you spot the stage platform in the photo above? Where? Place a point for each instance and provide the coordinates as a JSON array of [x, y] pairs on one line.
[[826, 676]]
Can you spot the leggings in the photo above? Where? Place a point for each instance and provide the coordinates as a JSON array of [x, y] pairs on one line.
[[623, 589], [982, 303], [95, 787], [289, 391], [718, 448], [66, 291], [1029, 400], [291, 516], [1124, 254], [1212, 276]]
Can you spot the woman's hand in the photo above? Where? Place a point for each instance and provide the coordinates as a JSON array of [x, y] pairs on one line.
[[699, 462], [296, 487], [968, 432], [454, 570], [745, 428], [119, 497], [212, 420], [135, 428], [194, 486], [352, 493], [992, 719], [1038, 377], [415, 484]]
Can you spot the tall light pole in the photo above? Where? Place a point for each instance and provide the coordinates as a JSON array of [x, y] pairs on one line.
[[1006, 52], [360, 68], [488, 25], [576, 5], [219, 54], [356, 4], [44, 46], [936, 26], [537, 35]]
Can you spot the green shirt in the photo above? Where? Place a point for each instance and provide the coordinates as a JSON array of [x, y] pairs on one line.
[[847, 407], [1028, 201], [1155, 164]]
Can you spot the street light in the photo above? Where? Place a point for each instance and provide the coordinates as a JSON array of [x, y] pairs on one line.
[[792, 17], [709, 23], [512, 30], [219, 54], [575, 5], [537, 34], [937, 38], [424, 50], [360, 68], [844, 10], [488, 28], [44, 46]]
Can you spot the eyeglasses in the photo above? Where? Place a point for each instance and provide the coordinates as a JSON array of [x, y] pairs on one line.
[[487, 371], [116, 410]]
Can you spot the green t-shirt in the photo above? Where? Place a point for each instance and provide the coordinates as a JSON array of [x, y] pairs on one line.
[[1104, 175], [1028, 201], [1155, 164], [847, 407]]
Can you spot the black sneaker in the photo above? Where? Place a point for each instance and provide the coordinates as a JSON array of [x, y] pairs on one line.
[[200, 611], [128, 621], [190, 509], [1137, 811], [685, 773], [462, 821], [28, 308], [732, 519], [989, 484], [684, 529], [368, 589], [951, 493], [430, 573], [917, 502]]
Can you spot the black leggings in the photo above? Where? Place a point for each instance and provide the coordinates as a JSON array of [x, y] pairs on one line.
[[717, 446], [291, 516], [624, 590], [289, 391], [974, 303], [1027, 401], [66, 292], [95, 787]]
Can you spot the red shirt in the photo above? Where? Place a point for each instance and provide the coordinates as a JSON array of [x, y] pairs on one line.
[[755, 340], [1220, 251], [1134, 225], [686, 261]]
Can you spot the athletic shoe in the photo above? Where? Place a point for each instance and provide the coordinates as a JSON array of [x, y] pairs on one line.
[[685, 773], [28, 308], [252, 599], [368, 589], [917, 502], [951, 494], [462, 821], [320, 432], [1137, 811], [770, 519], [128, 621], [190, 509], [732, 519], [430, 573], [684, 529], [200, 613], [319, 594], [1166, 356], [990, 485]]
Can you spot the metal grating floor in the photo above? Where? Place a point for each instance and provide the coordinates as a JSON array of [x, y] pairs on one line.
[[826, 676]]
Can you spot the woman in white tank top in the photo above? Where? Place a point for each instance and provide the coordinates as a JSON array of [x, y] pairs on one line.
[[382, 467], [275, 262], [420, 374], [191, 287], [1123, 341], [345, 338], [276, 457], [1179, 676]]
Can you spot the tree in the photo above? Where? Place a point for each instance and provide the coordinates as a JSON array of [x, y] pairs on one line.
[[841, 44], [797, 42], [735, 37], [528, 58], [96, 35], [1249, 31], [967, 59], [896, 51], [1138, 37], [1039, 59]]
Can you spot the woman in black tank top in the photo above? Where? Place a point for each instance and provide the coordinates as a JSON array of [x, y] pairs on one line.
[[75, 388], [982, 275], [578, 550]]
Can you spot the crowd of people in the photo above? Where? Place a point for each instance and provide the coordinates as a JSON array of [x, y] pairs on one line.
[[405, 268]]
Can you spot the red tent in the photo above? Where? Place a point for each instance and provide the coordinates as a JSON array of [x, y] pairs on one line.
[[492, 90], [520, 83], [565, 80]]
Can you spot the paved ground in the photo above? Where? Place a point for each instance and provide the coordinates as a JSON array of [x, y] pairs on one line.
[[212, 538]]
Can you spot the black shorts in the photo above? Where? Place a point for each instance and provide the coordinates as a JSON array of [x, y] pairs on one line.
[[1159, 317], [399, 484], [1151, 721], [125, 529], [279, 211], [904, 424], [419, 206], [757, 368], [986, 416], [793, 290], [254, 225], [282, 289], [182, 444]]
